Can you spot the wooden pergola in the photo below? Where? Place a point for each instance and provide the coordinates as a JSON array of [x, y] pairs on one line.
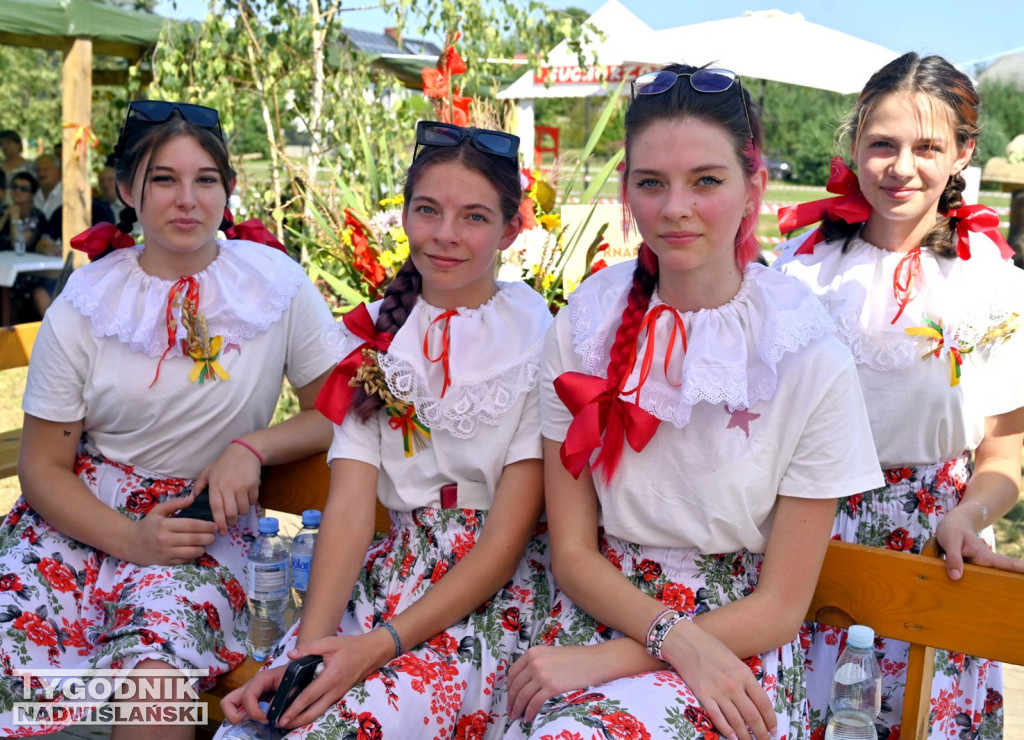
[[81, 30]]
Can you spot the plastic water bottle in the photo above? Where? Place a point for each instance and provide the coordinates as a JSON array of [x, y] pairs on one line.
[[856, 694], [267, 576], [252, 730], [302, 555]]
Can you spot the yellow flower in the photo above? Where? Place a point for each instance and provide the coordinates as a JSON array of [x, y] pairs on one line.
[[395, 202], [543, 195], [548, 281], [550, 221]]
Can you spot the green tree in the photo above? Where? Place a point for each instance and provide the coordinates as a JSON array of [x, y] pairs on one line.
[[1002, 105]]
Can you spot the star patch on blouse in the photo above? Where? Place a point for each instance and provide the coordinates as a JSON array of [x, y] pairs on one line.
[[740, 419]]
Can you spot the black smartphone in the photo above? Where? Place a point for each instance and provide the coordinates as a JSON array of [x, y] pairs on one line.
[[199, 508], [297, 676]]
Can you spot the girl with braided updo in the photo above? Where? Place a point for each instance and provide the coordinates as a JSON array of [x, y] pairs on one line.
[[417, 630], [920, 287], [699, 424]]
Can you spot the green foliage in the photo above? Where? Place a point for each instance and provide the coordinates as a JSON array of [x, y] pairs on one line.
[[1003, 118]]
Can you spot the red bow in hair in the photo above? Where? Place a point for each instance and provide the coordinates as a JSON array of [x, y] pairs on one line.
[[100, 239], [336, 394], [850, 205], [982, 219], [598, 411], [252, 230]]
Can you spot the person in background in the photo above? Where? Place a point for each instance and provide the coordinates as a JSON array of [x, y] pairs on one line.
[[106, 182], [13, 162], [919, 285], [699, 424], [21, 226], [154, 377], [50, 195]]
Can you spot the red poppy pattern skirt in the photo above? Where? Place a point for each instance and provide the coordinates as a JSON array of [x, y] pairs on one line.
[[967, 700], [454, 685], [65, 605], [659, 705]]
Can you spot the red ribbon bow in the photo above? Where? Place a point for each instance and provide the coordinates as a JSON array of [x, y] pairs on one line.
[[446, 342], [100, 239], [982, 219], [598, 410], [850, 205], [335, 396], [903, 280], [252, 230]]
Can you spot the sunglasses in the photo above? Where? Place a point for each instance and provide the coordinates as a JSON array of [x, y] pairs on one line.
[[435, 133], [159, 111], [708, 80], [22, 188]]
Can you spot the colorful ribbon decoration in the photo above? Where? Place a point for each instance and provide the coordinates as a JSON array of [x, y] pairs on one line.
[[97, 240], [903, 280], [252, 230], [414, 432], [850, 205], [934, 332], [981, 219], [446, 340], [335, 396], [188, 289], [206, 367], [84, 138]]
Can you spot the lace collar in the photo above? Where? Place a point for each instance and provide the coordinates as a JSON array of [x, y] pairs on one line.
[[732, 351], [242, 292], [494, 357], [967, 298]]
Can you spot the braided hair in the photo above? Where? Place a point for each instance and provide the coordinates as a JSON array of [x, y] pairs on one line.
[[942, 83]]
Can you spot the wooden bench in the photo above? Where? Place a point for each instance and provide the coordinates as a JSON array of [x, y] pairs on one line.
[[910, 597], [292, 488], [15, 350]]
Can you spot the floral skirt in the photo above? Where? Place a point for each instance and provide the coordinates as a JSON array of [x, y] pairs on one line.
[[65, 605], [967, 696], [659, 704], [453, 685]]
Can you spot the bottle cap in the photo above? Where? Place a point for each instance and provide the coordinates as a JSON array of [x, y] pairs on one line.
[[264, 706], [268, 525], [311, 518], [860, 636]]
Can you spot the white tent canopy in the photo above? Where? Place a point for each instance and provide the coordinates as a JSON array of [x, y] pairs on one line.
[[768, 45]]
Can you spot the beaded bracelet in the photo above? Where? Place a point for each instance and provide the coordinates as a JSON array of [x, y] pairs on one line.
[[659, 630], [251, 449], [394, 636]]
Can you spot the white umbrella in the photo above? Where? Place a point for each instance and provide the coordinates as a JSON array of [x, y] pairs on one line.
[[772, 45]]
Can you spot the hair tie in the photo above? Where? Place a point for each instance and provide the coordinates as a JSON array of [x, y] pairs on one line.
[[981, 219], [252, 230], [849, 205], [101, 239]]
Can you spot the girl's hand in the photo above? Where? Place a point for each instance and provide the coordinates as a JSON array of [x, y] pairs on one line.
[[544, 672], [723, 684], [348, 659], [957, 536], [243, 702], [233, 480], [163, 539]]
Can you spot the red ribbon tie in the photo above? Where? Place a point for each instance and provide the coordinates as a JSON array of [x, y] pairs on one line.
[[850, 205]]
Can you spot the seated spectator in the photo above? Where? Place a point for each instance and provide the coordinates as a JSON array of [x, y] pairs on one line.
[[50, 194], [13, 162], [22, 221]]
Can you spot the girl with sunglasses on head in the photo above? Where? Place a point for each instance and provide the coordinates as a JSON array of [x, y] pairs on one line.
[[695, 413], [930, 307], [154, 376], [417, 630]]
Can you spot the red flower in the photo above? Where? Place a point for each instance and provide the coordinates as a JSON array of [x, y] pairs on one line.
[[140, 502], [899, 539], [230, 657], [598, 266], [212, 615], [547, 637], [440, 568], [369, 728], [993, 701], [895, 475], [699, 718], [510, 619], [58, 575], [436, 80], [472, 727], [36, 629], [649, 569], [365, 258], [30, 535], [926, 502], [458, 112], [10, 582], [236, 596], [148, 637], [853, 504], [622, 726], [528, 210], [678, 597]]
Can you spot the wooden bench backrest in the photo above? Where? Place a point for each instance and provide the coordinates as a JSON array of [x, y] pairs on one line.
[[16, 344], [910, 597]]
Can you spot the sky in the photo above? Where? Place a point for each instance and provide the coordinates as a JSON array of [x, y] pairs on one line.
[[966, 33]]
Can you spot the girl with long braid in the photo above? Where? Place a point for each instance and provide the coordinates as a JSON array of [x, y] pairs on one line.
[[699, 423], [920, 288], [418, 629], [154, 376]]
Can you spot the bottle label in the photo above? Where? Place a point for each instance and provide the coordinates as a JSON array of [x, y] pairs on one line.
[[268, 581], [300, 571]]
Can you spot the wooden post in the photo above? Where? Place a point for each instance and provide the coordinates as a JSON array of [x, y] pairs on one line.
[[76, 89]]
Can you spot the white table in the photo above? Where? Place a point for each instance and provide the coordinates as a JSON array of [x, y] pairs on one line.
[[11, 265]]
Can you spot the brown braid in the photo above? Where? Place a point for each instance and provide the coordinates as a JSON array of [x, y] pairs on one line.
[[399, 300]]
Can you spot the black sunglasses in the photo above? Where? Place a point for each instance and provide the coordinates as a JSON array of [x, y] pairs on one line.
[[158, 111], [435, 133], [707, 80], [22, 188]]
